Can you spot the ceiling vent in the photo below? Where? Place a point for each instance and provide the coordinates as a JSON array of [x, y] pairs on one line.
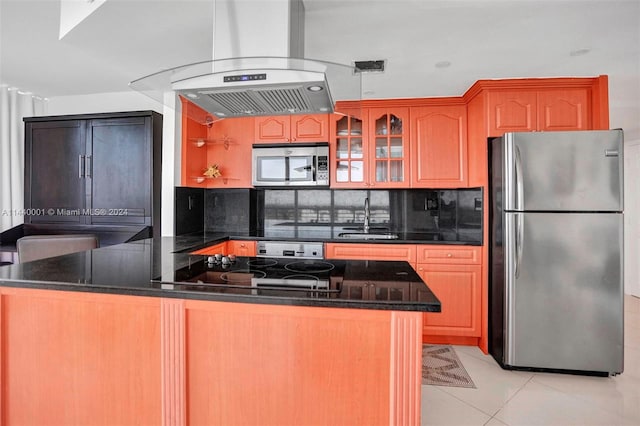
[[369, 66]]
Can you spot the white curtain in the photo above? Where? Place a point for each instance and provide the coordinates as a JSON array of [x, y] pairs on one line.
[[14, 105]]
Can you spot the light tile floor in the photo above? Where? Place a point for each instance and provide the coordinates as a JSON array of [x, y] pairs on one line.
[[517, 398]]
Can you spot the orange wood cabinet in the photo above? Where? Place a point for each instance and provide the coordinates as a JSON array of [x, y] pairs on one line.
[[439, 146], [220, 248], [294, 128], [348, 167], [388, 147], [406, 252], [241, 247], [454, 274], [370, 148], [498, 106], [72, 358], [209, 141], [77, 358], [538, 110], [194, 157]]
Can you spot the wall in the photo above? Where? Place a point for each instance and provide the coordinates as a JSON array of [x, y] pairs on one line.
[[134, 101], [631, 217]]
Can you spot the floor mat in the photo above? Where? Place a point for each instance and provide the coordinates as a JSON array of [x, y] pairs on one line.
[[442, 367]]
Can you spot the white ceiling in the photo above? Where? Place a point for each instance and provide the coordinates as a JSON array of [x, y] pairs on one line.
[[124, 40]]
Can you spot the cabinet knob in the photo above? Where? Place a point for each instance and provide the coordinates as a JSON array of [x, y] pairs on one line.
[[449, 255]]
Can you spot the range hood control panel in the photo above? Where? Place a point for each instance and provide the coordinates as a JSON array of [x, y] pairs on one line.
[[244, 77]]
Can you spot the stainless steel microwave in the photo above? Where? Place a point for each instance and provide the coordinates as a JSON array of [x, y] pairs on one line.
[[291, 164]]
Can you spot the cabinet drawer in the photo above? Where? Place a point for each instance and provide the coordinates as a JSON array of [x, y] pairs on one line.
[[400, 252], [220, 248], [241, 248], [462, 255]]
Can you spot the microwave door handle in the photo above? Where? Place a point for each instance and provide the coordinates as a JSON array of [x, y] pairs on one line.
[[314, 164], [286, 169]]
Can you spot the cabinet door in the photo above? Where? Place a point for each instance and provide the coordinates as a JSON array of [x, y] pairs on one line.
[[310, 128], [406, 252], [119, 169], [458, 289], [512, 111], [55, 157], [241, 248], [348, 167], [388, 152], [439, 146], [272, 129], [563, 109]]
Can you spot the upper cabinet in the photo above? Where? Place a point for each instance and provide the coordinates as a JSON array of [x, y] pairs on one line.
[[538, 110], [216, 153], [496, 107], [439, 146], [370, 148], [293, 128], [398, 143], [542, 104], [347, 149], [388, 147]]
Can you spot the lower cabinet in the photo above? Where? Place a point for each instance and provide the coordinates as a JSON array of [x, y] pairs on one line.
[[215, 249], [241, 248], [454, 274], [406, 252], [237, 247], [80, 358]]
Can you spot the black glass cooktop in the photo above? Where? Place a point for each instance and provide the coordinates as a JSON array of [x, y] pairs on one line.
[[259, 276]]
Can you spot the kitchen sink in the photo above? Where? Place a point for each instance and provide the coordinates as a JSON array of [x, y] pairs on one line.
[[368, 236], [372, 229]]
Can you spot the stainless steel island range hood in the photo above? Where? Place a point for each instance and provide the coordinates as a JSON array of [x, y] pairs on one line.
[[254, 92], [256, 72]]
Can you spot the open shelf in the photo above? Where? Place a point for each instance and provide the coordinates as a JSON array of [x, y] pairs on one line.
[[201, 179], [223, 141]]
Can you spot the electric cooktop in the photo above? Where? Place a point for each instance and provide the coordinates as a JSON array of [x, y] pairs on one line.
[[265, 276]]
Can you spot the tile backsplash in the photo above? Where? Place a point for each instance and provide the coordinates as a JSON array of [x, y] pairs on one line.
[[456, 214]]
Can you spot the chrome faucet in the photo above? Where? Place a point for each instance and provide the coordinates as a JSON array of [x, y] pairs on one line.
[[367, 215]]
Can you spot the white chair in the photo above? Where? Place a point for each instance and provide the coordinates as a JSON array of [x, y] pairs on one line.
[[34, 247]]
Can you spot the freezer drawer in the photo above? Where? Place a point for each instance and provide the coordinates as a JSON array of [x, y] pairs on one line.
[[563, 171], [563, 291]]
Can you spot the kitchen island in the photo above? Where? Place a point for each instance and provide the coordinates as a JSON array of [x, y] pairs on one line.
[[120, 335]]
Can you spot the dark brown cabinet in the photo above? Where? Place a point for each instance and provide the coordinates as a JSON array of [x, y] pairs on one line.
[[94, 170]]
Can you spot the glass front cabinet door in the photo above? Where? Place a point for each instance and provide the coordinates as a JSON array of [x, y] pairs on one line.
[[372, 152], [349, 154], [389, 147]]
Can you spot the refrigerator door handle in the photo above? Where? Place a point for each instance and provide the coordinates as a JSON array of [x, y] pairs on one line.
[[519, 237], [518, 178]]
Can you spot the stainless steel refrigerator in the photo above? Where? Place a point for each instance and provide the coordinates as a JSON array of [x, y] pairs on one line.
[[556, 258]]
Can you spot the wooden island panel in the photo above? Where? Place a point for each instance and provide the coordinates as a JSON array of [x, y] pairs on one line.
[[73, 358], [276, 365], [104, 359]]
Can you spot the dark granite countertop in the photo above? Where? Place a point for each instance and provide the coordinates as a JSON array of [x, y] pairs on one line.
[[148, 268]]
